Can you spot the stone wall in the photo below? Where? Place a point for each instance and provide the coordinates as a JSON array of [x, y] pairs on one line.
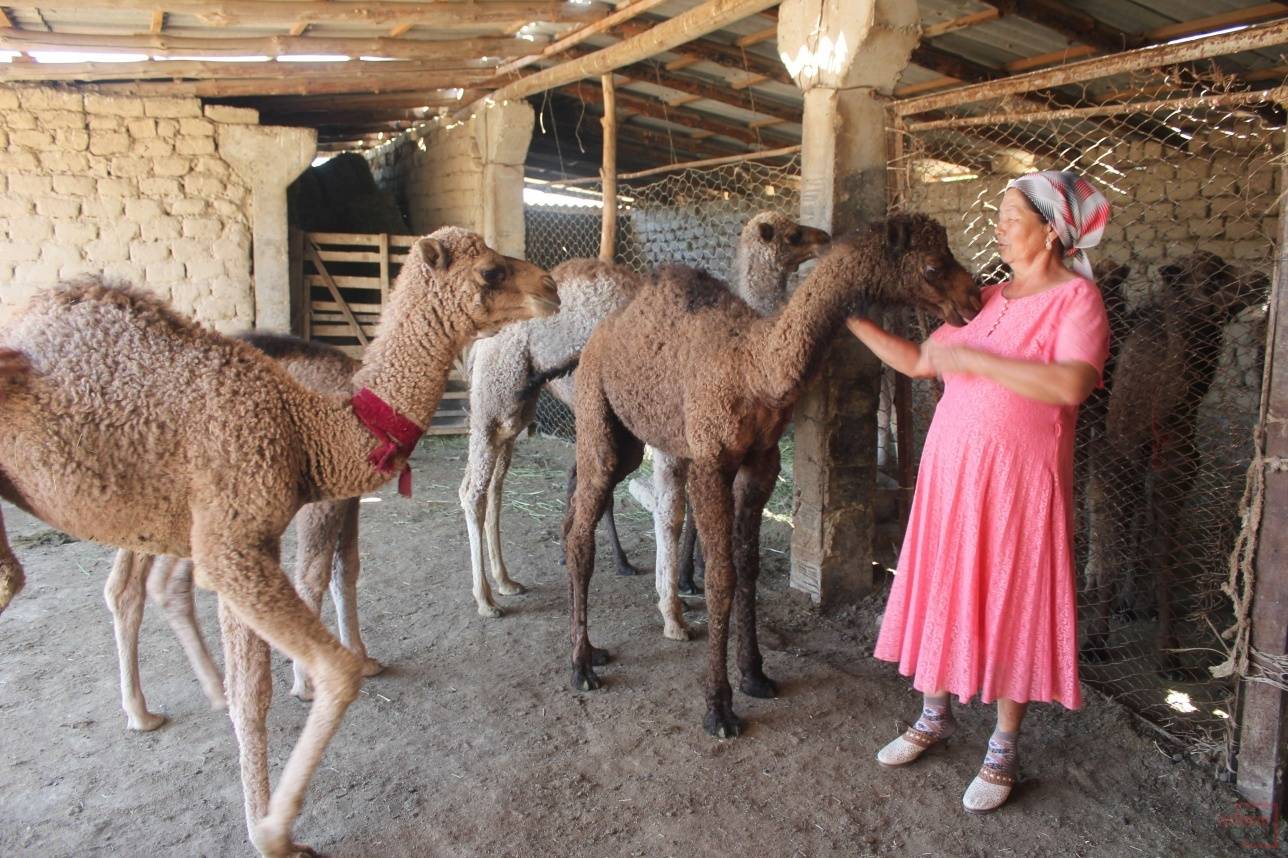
[[467, 174], [132, 188]]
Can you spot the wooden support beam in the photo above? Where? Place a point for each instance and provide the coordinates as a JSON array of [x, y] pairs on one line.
[[197, 70], [158, 21], [300, 28], [1252, 38], [1261, 717], [6, 19], [281, 13], [685, 117], [398, 30], [341, 103], [299, 86], [769, 34], [608, 172], [648, 73], [1073, 24], [708, 50], [954, 24], [581, 34], [1073, 52], [272, 46], [685, 27], [1246, 15]]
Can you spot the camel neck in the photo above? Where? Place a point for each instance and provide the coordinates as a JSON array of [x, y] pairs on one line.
[[759, 281], [791, 345], [408, 363]]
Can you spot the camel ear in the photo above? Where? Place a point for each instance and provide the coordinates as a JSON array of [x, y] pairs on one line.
[[897, 236], [766, 231], [433, 253]]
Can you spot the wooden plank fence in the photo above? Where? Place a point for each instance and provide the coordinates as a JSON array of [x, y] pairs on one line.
[[342, 282]]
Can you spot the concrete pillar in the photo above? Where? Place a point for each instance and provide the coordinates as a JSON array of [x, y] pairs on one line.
[[846, 55], [268, 159], [502, 133]]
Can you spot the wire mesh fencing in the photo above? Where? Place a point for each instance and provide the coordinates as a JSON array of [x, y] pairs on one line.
[[1192, 168]]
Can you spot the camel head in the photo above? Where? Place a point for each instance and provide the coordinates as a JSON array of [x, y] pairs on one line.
[[458, 272], [1209, 285], [904, 260], [771, 247]]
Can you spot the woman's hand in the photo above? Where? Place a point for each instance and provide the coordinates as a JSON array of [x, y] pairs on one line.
[[937, 358]]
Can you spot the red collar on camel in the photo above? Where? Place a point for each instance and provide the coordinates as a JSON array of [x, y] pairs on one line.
[[397, 434]]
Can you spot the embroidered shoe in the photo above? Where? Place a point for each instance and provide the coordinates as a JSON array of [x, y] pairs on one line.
[[908, 747], [989, 791]]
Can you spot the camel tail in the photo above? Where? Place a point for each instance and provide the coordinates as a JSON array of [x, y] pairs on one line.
[[538, 380]]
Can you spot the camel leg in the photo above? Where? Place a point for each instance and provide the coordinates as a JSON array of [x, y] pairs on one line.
[[317, 533], [711, 491], [620, 560], [124, 595], [751, 490], [256, 591], [668, 516], [690, 559], [250, 691], [505, 585], [170, 586], [474, 497], [11, 577], [605, 455], [344, 587]]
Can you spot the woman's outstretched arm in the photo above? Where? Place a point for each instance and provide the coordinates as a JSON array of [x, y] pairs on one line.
[[891, 349]]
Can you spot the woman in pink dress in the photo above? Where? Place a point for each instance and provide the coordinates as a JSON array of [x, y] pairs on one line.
[[983, 602]]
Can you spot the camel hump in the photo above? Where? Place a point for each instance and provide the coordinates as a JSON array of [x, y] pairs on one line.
[[287, 346], [696, 288]]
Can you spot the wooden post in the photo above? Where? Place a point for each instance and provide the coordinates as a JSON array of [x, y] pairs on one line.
[[301, 300], [383, 241], [1261, 720], [608, 172]]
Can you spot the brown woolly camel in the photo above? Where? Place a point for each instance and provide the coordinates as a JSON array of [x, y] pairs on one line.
[[1146, 467], [140, 429], [694, 372], [327, 537]]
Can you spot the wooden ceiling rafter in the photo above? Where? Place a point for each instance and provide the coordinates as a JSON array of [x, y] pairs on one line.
[[174, 70], [270, 46], [340, 84], [1074, 24], [285, 13]]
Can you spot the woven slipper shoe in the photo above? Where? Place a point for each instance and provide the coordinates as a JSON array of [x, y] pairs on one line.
[[907, 748], [989, 791]]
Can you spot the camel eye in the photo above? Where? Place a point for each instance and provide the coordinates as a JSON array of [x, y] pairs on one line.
[[931, 272], [793, 238], [494, 275]]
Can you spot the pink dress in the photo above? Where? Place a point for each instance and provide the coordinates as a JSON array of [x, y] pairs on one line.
[[983, 602]]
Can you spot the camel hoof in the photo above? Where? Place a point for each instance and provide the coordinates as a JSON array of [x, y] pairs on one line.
[[371, 667], [584, 679], [722, 725], [758, 685], [599, 657], [688, 588], [511, 588], [270, 846], [303, 691], [491, 612], [147, 723], [674, 632], [625, 569]]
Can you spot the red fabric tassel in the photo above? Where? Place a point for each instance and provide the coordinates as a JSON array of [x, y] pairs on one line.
[[397, 435]]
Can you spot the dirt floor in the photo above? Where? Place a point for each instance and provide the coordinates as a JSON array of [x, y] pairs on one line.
[[472, 744]]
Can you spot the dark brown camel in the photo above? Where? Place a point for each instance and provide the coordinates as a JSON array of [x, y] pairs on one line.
[[693, 371]]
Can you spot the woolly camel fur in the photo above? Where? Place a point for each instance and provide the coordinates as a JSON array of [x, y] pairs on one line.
[[770, 249], [140, 429], [327, 538], [693, 371], [1144, 470], [509, 370]]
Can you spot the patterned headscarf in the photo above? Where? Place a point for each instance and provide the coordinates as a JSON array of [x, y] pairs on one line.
[[1076, 211]]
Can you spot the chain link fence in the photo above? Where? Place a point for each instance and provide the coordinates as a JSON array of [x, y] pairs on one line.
[[1192, 168]]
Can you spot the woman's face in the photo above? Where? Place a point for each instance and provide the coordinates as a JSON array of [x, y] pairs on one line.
[[1021, 235]]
